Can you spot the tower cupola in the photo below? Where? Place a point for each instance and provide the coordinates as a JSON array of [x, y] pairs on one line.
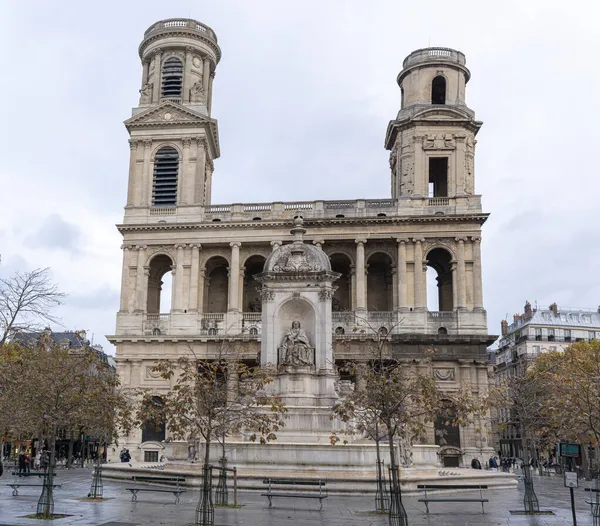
[[432, 139], [179, 57]]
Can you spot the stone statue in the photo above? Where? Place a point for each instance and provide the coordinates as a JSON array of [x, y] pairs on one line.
[[146, 93], [255, 305], [198, 91], [296, 347]]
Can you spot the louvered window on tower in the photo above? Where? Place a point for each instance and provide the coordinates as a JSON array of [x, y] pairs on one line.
[[166, 168], [172, 78]]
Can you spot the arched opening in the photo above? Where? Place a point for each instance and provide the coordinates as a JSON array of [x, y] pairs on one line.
[[380, 288], [438, 90], [447, 435], [216, 285], [154, 429], [172, 78], [159, 284], [166, 170], [251, 300], [442, 331], [342, 297], [440, 260]]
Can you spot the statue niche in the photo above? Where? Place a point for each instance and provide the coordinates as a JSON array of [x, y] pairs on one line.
[[295, 348]]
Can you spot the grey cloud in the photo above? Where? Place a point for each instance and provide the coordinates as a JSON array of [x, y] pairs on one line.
[[105, 299], [55, 233]]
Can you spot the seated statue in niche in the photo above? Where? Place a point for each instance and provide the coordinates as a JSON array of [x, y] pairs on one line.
[[296, 349], [146, 93]]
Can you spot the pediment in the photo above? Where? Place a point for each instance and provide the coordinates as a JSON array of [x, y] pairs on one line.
[[167, 114]]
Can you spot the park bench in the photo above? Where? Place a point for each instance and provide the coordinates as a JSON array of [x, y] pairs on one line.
[[294, 491], [177, 490], [594, 501], [16, 484], [427, 499]]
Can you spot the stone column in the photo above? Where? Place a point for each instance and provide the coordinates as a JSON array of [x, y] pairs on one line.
[[454, 281], [185, 185], [233, 379], [187, 76], [209, 94], [178, 281], [420, 289], [157, 76], [353, 287], [125, 280], [133, 152], [145, 71], [477, 279], [141, 285], [201, 285], [206, 77], [146, 183], [194, 280], [275, 245], [241, 287], [401, 274], [462, 274], [361, 287], [394, 285], [234, 277], [199, 192]]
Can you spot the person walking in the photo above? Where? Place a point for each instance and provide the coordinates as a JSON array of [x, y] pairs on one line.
[[475, 464], [36, 461], [493, 464], [22, 464], [44, 461]]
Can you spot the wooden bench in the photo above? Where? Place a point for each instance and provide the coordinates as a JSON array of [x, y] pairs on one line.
[[427, 499], [295, 490], [177, 491], [594, 501], [17, 484]]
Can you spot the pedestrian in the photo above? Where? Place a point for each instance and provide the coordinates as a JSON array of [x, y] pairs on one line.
[[22, 465], [36, 462], [475, 464], [127, 455], [28, 462], [44, 461], [493, 464], [122, 455]]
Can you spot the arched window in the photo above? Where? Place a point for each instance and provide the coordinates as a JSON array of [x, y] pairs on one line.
[[166, 168], [172, 78], [438, 90], [440, 295], [154, 430]]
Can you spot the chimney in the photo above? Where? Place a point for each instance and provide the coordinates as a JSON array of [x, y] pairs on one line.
[[528, 312], [504, 327], [516, 317], [554, 308]]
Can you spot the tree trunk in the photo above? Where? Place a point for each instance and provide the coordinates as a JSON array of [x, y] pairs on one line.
[[397, 515], [530, 500], [71, 446], [45, 506]]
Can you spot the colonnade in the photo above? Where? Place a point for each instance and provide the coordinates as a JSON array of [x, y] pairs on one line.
[[409, 276]]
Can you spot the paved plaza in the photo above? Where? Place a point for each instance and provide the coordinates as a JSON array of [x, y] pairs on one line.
[[159, 508]]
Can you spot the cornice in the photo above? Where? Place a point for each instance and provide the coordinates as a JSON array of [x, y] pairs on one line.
[[181, 33], [466, 218]]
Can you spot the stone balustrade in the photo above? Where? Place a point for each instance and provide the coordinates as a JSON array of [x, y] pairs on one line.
[[358, 208], [346, 324], [178, 24], [434, 54]]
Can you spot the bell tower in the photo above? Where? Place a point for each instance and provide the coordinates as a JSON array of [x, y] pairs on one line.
[[173, 138], [432, 139]]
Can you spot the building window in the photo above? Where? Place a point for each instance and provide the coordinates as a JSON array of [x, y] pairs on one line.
[[166, 169], [172, 78], [553, 347], [150, 456], [591, 335], [536, 349], [438, 177], [551, 335], [567, 335], [538, 334], [438, 90]]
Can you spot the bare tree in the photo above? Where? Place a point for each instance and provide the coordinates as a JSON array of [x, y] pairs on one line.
[[210, 400], [403, 398], [26, 302]]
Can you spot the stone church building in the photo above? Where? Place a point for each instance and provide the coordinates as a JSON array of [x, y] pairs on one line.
[[304, 284]]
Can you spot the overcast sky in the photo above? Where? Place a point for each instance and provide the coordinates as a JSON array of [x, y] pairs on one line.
[[303, 95]]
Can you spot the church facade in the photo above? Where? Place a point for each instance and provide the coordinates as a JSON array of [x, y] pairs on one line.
[[305, 285]]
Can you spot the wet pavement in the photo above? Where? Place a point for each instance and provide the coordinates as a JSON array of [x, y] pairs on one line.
[[160, 508]]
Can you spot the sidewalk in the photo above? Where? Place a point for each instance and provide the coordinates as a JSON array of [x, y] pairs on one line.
[[159, 508]]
